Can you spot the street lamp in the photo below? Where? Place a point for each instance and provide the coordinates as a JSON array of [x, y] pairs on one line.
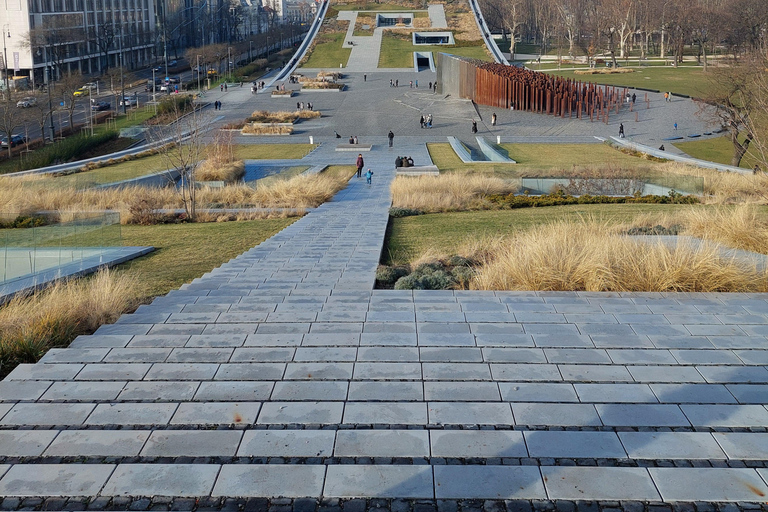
[[198, 73], [49, 73], [229, 62], [6, 33]]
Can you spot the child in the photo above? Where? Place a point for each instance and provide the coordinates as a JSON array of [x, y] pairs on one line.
[[368, 176]]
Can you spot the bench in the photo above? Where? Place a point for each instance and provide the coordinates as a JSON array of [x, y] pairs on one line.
[[359, 148], [417, 170]]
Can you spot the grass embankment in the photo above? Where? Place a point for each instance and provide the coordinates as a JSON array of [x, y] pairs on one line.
[[689, 80], [134, 117], [29, 327], [448, 192], [397, 52], [718, 150], [327, 51]]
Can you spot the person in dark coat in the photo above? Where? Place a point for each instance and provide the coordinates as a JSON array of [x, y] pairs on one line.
[[474, 126], [390, 137], [398, 162], [360, 164]]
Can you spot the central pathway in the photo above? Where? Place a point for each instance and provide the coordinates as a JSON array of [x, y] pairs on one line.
[[283, 374]]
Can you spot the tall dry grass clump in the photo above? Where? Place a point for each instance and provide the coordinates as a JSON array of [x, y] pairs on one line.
[[447, 192], [220, 163], [589, 256], [30, 326], [742, 227], [272, 129]]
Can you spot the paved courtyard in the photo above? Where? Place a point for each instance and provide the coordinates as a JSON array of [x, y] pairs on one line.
[[282, 374]]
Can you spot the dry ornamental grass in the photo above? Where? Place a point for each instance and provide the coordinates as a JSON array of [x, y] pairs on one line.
[[447, 192], [589, 256]]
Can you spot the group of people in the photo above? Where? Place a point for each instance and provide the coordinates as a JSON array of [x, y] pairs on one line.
[[217, 105], [403, 161], [223, 87], [426, 122], [255, 86], [631, 99], [360, 163], [353, 140], [667, 96], [300, 105]]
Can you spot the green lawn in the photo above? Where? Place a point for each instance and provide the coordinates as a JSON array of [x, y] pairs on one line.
[[688, 80], [408, 237], [532, 157], [370, 7], [273, 151], [186, 251], [328, 52], [134, 117], [398, 53], [717, 150]]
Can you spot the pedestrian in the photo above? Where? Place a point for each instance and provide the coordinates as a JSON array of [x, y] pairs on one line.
[[474, 126], [360, 164], [391, 137], [493, 119], [661, 147], [397, 83], [310, 107], [351, 139], [417, 84], [430, 86], [429, 121], [634, 97], [434, 87], [391, 83], [356, 142], [621, 130], [221, 87], [302, 105], [298, 105], [675, 126], [410, 84], [368, 176], [365, 78], [669, 97], [225, 87], [421, 121]]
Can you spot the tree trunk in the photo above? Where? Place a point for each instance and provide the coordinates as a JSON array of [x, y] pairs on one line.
[[704, 52], [663, 49], [739, 149]]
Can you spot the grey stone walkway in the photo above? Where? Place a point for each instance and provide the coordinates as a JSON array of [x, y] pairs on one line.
[[282, 373]]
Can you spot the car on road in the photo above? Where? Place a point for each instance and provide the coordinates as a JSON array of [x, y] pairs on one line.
[[83, 91], [130, 101], [15, 141], [173, 80], [102, 105], [90, 85], [29, 101]]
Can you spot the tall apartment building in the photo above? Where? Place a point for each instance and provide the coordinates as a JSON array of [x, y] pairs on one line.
[[54, 37]]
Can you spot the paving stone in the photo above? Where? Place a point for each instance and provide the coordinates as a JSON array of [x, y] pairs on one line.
[[537, 392], [556, 414], [183, 443], [479, 443], [44, 372], [491, 482], [525, 372], [237, 391], [385, 391], [384, 443], [216, 413], [287, 443], [84, 391], [132, 414], [461, 391], [181, 371], [574, 444], [574, 483], [301, 412], [319, 371], [467, 413], [726, 415], [97, 443], [159, 391], [693, 393], [396, 413], [379, 481], [250, 371], [161, 480], [642, 415], [713, 484], [11, 391], [47, 414], [744, 446], [25, 443], [53, 479], [671, 445]]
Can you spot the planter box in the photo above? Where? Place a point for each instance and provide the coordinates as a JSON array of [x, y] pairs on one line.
[[290, 94], [311, 89]]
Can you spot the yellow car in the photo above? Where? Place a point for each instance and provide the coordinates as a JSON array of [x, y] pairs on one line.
[[81, 92]]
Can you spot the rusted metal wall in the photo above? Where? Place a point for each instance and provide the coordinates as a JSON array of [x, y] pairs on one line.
[[497, 85]]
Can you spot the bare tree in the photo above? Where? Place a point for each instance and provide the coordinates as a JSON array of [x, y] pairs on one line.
[[41, 112], [11, 118], [57, 38], [65, 91], [508, 15], [185, 149], [104, 38], [738, 101]]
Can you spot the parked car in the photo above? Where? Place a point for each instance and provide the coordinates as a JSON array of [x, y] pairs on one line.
[[102, 105], [91, 85], [173, 80], [83, 91], [165, 87], [129, 101], [15, 141], [29, 101]]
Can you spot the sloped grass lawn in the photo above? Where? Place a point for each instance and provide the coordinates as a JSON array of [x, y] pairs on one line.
[[328, 52], [409, 237], [718, 150], [398, 53], [682, 80], [535, 157], [186, 251]]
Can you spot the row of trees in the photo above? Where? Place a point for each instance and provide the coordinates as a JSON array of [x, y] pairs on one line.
[[617, 27]]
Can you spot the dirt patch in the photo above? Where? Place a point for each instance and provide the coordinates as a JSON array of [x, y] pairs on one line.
[[108, 147]]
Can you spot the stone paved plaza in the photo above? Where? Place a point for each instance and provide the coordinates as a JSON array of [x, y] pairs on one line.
[[282, 374]]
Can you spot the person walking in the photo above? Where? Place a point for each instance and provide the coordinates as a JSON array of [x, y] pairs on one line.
[[421, 121], [417, 84], [429, 121], [621, 130], [675, 126], [493, 119], [365, 78], [360, 164], [474, 126], [434, 87], [391, 137], [666, 96], [397, 83], [221, 87], [368, 176]]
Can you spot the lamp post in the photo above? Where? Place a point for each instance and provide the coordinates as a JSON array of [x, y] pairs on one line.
[[229, 62], [250, 46], [49, 74], [6, 33], [198, 73]]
